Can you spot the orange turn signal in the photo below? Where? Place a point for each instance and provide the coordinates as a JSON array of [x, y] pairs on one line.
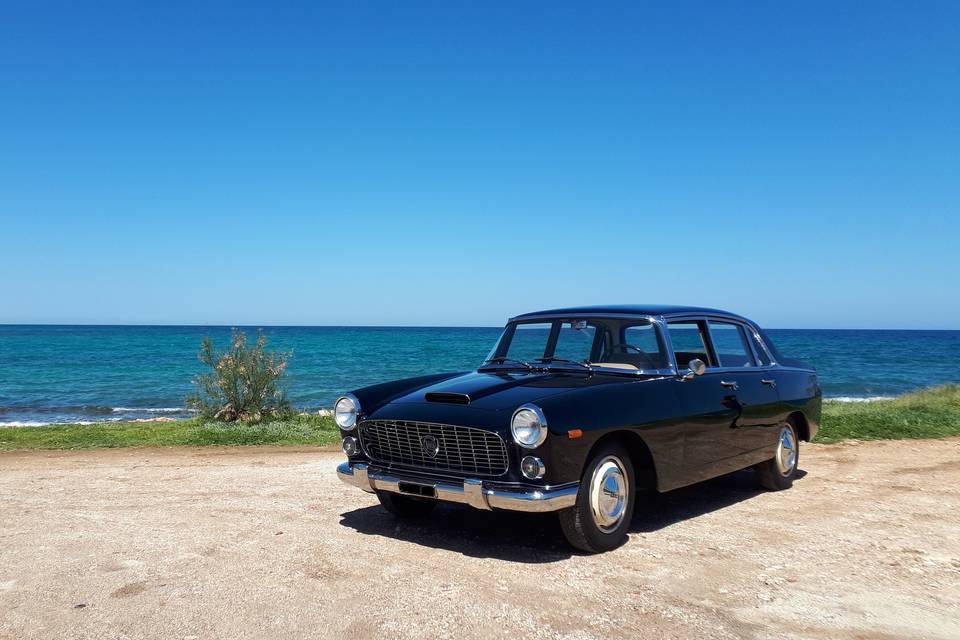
[[575, 433]]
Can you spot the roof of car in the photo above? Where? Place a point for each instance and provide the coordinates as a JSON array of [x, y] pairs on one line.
[[629, 309]]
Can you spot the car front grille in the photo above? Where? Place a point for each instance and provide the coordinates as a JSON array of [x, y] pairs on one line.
[[437, 447]]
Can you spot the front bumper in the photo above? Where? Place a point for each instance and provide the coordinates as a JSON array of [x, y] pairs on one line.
[[474, 492]]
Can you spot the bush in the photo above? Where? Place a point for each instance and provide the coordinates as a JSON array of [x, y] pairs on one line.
[[245, 383]]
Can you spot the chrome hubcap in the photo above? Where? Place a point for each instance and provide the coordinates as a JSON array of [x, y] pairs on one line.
[[787, 451], [608, 494]]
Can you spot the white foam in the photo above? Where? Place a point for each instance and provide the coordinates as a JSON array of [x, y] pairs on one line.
[[151, 409], [859, 398], [37, 423]]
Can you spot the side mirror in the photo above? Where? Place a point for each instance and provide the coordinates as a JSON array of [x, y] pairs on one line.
[[697, 368]]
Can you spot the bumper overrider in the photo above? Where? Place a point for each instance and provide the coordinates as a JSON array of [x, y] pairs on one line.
[[480, 494]]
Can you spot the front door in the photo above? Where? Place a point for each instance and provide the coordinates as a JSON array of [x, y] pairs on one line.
[[709, 402]]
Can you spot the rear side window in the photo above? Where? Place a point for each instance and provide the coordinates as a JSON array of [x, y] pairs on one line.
[[772, 348], [759, 350], [730, 343], [688, 342]]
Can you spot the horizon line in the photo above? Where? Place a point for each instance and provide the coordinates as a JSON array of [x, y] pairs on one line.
[[382, 326]]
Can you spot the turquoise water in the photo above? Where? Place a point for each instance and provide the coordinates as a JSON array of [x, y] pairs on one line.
[[94, 373]]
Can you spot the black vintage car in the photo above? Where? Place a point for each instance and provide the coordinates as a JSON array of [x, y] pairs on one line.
[[576, 410]]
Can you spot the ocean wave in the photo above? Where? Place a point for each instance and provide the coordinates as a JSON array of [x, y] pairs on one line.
[[88, 409], [151, 410], [40, 423], [859, 398]]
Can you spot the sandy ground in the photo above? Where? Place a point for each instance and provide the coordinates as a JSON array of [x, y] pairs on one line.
[[267, 543]]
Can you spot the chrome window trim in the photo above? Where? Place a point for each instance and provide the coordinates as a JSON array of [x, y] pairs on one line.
[[661, 323], [766, 349], [563, 316], [743, 322]]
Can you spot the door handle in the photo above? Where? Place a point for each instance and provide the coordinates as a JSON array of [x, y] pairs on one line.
[[771, 382], [732, 384]]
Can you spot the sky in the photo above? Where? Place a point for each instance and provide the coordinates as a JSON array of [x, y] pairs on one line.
[[457, 163]]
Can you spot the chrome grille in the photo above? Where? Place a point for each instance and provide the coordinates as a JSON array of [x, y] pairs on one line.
[[461, 450]]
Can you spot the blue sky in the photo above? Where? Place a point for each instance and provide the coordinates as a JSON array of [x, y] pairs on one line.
[[455, 163]]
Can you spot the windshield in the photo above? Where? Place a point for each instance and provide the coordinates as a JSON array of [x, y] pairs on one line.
[[625, 344]]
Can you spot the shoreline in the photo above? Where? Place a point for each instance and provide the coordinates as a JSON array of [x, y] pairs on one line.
[[17, 424]]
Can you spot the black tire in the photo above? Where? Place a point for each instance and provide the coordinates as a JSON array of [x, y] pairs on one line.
[[770, 474], [404, 507], [579, 523]]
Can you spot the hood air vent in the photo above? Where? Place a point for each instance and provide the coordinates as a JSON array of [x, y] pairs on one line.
[[448, 398]]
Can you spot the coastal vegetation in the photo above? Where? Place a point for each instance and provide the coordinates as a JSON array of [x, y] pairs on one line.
[[295, 430], [932, 413], [244, 383]]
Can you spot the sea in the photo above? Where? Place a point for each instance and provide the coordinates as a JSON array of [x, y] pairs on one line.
[[83, 374]]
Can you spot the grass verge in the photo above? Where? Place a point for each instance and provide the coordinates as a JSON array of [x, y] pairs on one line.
[[931, 413], [300, 430]]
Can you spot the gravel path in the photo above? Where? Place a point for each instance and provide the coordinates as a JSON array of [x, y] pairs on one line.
[[267, 543]]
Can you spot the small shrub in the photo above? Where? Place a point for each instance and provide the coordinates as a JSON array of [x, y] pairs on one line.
[[245, 383]]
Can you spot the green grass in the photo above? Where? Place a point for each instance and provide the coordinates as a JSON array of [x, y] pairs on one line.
[[299, 430], [931, 413]]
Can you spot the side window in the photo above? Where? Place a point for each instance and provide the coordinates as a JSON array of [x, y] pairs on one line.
[[644, 344], [730, 343], [575, 341], [759, 350], [688, 343]]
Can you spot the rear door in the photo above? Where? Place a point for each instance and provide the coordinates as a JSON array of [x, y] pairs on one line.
[[753, 391]]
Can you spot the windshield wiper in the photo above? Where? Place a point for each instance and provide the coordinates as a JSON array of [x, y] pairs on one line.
[[565, 360], [504, 360]]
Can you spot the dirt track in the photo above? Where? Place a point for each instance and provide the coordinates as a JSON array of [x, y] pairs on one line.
[[267, 543]]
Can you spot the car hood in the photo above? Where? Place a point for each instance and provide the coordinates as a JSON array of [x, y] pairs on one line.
[[497, 390]]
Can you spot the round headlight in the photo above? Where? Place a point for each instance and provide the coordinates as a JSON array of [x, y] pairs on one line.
[[345, 412], [529, 427]]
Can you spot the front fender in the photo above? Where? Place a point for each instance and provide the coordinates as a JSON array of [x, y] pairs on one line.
[[644, 407]]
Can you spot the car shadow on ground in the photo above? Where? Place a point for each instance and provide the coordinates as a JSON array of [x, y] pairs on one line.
[[537, 538]]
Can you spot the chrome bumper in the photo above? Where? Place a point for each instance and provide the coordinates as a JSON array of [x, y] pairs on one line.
[[472, 491]]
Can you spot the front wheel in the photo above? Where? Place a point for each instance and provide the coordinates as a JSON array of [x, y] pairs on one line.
[[404, 507], [601, 517], [778, 472]]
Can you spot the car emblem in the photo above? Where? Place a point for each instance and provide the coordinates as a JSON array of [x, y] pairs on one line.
[[430, 446]]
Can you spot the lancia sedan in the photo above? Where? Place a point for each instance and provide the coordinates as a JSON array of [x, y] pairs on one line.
[[577, 410]]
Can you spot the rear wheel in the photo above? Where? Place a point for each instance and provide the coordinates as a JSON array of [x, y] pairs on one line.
[[601, 517], [778, 472], [404, 507]]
